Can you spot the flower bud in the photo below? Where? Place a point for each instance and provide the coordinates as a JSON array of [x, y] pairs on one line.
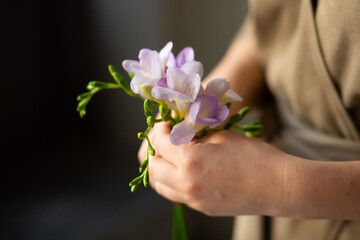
[[143, 166], [135, 181], [146, 178], [151, 151], [150, 121], [253, 134], [135, 187], [243, 112], [115, 74], [141, 135], [147, 108], [164, 112], [83, 96], [228, 105]]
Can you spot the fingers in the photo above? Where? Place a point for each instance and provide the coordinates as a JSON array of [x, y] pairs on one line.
[[161, 142], [164, 171], [164, 178], [169, 193]]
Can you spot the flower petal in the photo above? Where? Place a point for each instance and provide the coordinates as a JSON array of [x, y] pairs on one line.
[[182, 133], [206, 121], [138, 81], [193, 111], [186, 55], [181, 96], [156, 65], [230, 96], [176, 79], [209, 105], [192, 85], [222, 114], [182, 105], [145, 58], [193, 67], [130, 65], [164, 52], [218, 87], [162, 82], [162, 93], [171, 62]]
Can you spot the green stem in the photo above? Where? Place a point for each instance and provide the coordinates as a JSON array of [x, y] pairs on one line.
[[159, 120], [148, 140], [179, 231]]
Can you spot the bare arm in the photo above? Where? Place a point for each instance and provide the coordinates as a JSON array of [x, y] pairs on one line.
[[241, 67], [316, 189]]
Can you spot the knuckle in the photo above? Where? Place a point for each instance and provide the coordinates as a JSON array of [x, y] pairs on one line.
[[192, 189], [193, 160]]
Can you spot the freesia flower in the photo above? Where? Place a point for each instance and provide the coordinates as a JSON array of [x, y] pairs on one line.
[[186, 55], [151, 67], [181, 86], [221, 89], [204, 111]]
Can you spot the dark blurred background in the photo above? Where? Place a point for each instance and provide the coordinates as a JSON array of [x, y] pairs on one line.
[[64, 177]]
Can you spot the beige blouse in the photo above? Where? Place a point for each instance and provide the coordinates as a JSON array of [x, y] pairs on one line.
[[312, 67], [313, 63]]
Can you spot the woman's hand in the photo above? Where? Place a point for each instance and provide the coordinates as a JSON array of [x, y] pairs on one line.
[[222, 173], [225, 173]]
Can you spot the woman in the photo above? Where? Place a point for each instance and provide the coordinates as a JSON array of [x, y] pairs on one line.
[[308, 178]]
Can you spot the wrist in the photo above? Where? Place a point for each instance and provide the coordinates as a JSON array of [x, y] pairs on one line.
[[284, 184], [268, 184]]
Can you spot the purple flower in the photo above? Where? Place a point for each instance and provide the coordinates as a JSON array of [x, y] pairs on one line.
[[151, 67], [186, 55], [221, 89], [204, 111], [181, 86]]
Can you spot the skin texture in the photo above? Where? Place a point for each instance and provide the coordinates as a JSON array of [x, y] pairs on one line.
[[227, 174]]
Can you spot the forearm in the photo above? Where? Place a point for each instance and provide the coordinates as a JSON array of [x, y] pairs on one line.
[[321, 190], [241, 67]]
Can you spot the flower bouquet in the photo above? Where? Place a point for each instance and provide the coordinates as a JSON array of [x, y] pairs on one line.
[[173, 85]]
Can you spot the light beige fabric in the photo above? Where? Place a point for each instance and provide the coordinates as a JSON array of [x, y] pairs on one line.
[[248, 227], [312, 67]]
